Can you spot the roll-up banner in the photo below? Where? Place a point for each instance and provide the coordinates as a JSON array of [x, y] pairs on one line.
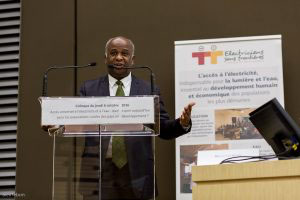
[[227, 78]]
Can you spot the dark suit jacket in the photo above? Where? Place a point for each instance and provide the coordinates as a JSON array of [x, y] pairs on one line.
[[139, 149]]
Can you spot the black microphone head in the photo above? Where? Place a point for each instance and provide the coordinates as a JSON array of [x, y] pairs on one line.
[[92, 64], [110, 66]]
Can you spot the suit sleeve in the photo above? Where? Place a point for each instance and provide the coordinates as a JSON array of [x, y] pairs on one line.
[[169, 129], [82, 90]]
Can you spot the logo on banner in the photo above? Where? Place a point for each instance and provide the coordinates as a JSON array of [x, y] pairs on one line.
[[228, 56], [213, 55]]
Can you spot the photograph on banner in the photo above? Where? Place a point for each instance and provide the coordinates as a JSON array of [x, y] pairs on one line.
[[234, 124], [227, 78], [188, 158]]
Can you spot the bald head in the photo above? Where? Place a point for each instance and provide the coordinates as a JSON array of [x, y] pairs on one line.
[[119, 38]]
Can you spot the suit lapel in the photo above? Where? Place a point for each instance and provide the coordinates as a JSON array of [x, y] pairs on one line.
[[104, 86], [134, 89]]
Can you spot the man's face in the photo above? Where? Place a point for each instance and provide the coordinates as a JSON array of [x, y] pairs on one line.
[[120, 55]]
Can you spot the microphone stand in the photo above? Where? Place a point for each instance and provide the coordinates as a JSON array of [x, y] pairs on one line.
[[152, 76], [44, 94], [45, 77]]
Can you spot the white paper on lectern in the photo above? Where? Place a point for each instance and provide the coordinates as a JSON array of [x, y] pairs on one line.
[[97, 110], [214, 157]]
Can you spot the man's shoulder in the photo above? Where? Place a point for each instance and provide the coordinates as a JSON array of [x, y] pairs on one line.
[[141, 82], [95, 81], [142, 87], [95, 87]]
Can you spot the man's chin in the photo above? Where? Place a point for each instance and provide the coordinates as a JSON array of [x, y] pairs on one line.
[[119, 73], [120, 70]]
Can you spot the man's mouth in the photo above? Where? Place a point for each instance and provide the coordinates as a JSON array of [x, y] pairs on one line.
[[119, 65]]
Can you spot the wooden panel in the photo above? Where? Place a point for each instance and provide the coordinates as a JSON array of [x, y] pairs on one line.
[[255, 189], [276, 180], [275, 168]]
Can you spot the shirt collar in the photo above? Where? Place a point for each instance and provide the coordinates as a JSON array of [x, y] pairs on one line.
[[126, 80]]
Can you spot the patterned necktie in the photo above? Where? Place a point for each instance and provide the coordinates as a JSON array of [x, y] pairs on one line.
[[119, 155]]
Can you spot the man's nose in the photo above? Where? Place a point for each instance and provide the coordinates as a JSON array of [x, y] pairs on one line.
[[119, 57]]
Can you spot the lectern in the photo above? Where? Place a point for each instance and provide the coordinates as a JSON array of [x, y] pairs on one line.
[[82, 129], [267, 180]]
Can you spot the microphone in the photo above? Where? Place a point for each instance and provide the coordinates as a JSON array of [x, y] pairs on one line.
[[45, 78], [152, 76]]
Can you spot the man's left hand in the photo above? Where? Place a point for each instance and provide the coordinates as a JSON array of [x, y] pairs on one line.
[[185, 117]]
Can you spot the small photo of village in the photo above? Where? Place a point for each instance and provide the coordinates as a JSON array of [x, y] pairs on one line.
[[234, 124]]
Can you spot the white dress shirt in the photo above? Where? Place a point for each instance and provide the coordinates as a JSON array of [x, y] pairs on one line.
[[113, 86]]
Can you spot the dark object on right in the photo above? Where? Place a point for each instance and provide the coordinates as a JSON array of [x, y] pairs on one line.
[[277, 128]]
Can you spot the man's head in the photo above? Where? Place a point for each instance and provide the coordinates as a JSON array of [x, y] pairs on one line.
[[119, 52]]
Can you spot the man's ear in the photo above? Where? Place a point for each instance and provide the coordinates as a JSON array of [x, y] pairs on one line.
[[133, 58], [105, 61]]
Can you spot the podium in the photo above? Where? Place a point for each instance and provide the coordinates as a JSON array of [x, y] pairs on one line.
[[276, 180], [82, 129]]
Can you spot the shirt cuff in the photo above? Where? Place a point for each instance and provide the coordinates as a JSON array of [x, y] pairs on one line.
[[186, 128]]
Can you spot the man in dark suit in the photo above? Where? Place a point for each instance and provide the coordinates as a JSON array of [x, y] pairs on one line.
[[134, 177]]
